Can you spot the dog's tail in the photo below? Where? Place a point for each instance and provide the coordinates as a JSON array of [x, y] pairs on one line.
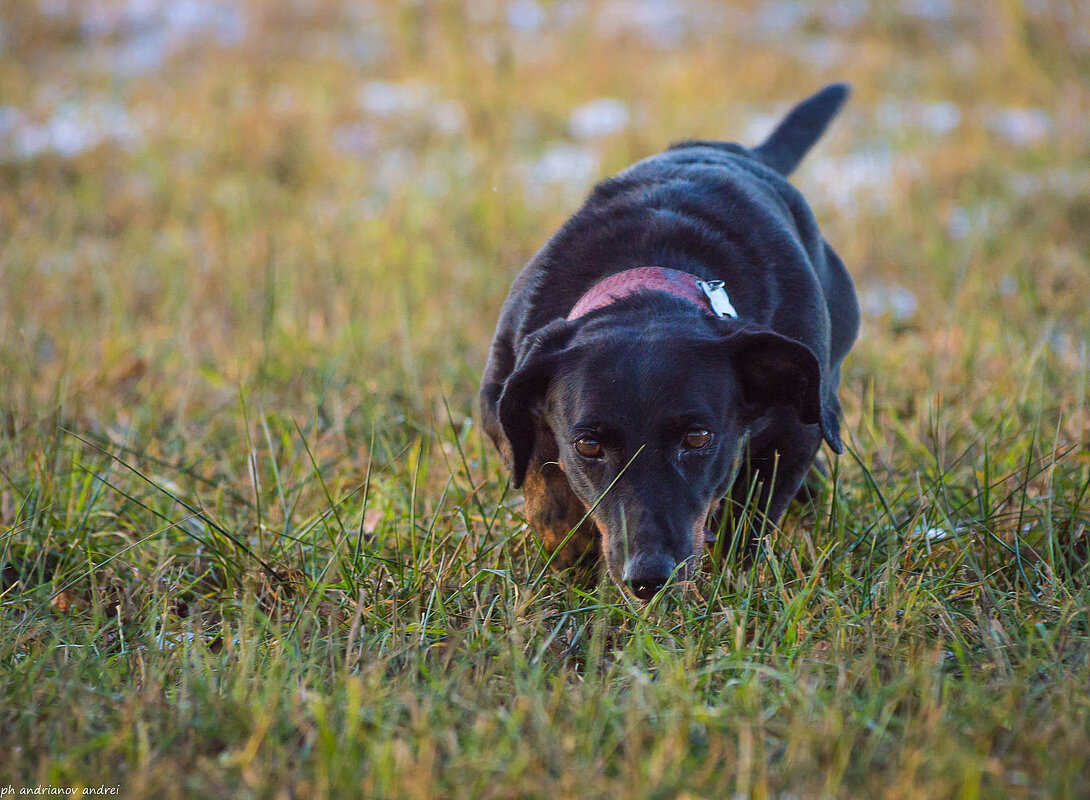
[[803, 126]]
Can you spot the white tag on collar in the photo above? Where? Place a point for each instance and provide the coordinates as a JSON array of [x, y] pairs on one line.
[[718, 298]]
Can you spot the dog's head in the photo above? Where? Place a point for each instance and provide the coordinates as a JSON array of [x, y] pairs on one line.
[[650, 416]]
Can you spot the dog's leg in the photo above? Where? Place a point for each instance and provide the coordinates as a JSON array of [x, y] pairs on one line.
[[552, 509], [780, 459], [814, 482]]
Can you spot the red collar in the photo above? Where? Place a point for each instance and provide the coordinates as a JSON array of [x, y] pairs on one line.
[[710, 296]]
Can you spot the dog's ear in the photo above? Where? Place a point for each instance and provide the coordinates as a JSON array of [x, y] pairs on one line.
[[525, 389], [774, 370]]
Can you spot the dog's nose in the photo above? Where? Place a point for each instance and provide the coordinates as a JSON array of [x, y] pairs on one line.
[[646, 575], [646, 589]]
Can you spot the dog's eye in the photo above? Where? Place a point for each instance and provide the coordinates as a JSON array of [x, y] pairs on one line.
[[697, 439], [588, 447]]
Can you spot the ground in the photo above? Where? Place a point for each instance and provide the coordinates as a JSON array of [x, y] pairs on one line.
[[252, 542]]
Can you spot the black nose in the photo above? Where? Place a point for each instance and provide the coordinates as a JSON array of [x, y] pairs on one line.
[[645, 589], [647, 573]]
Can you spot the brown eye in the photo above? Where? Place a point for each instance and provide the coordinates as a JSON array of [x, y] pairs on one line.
[[696, 439], [588, 447]]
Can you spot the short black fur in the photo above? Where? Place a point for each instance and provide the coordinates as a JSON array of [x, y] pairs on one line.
[[635, 373]]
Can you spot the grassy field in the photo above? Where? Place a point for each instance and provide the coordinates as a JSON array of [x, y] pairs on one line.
[[252, 543]]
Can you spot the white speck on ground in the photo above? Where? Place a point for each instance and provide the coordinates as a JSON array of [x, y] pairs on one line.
[[598, 118], [1021, 127], [896, 301]]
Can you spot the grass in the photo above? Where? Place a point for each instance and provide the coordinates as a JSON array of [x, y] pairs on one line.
[[252, 542]]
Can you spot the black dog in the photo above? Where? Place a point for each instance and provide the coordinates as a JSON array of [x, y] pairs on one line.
[[677, 342]]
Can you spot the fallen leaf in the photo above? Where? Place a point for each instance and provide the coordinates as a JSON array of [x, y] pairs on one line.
[[7, 507], [63, 602], [371, 519]]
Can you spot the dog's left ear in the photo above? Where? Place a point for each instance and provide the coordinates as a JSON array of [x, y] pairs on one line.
[[525, 389], [774, 370]]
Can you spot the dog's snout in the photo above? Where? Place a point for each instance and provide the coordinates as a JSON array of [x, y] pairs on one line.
[[645, 590], [646, 575]]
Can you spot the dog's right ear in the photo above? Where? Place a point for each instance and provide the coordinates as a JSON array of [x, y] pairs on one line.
[[775, 370], [525, 388]]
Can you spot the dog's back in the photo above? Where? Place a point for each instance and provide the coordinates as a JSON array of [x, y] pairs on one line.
[[710, 205]]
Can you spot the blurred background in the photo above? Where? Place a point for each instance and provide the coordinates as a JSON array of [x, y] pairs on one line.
[[322, 204]]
